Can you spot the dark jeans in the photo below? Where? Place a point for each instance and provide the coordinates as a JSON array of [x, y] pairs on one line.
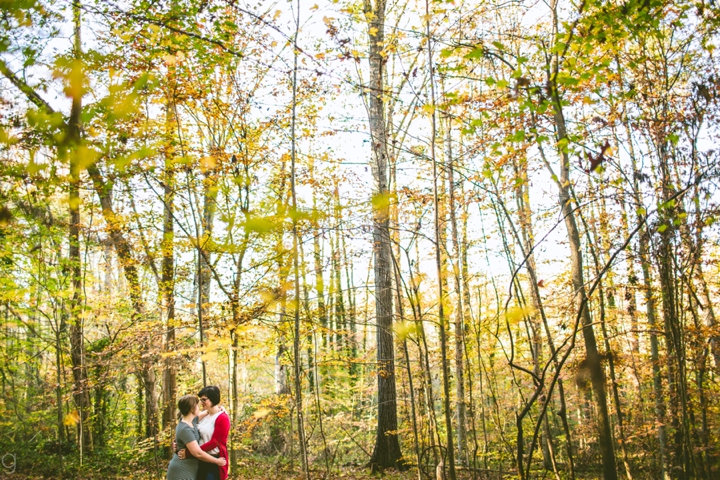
[[208, 471]]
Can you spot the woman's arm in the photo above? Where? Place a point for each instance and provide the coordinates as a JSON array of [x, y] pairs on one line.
[[196, 452], [220, 434]]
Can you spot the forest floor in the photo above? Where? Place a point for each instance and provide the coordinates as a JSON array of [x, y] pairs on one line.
[[253, 468], [267, 472], [345, 473]]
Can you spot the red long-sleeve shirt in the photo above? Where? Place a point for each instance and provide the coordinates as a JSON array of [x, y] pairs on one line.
[[219, 441]]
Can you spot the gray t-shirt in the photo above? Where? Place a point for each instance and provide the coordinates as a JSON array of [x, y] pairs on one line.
[[184, 469]]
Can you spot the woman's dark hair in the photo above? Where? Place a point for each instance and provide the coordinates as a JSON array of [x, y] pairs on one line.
[[187, 404], [212, 393]]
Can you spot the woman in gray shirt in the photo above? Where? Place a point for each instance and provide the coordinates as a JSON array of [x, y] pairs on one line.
[[187, 436]]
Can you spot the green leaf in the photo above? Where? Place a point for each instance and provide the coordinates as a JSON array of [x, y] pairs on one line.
[[666, 205], [519, 136], [475, 53], [558, 47], [258, 224]]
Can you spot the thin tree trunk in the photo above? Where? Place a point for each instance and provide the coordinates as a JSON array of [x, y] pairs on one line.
[[458, 270], [167, 282], [438, 259], [605, 246], [526, 242], [674, 333], [401, 317], [320, 291], [58, 388], [204, 257], [592, 360], [296, 258], [81, 395]]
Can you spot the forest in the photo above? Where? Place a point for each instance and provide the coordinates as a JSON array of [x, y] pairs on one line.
[[419, 239]]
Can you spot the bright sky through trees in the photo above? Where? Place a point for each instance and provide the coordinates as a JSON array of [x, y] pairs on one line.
[[461, 238]]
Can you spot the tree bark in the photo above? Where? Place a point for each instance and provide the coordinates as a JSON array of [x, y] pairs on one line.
[[592, 360], [167, 280], [458, 270], [81, 395], [386, 452], [439, 244], [296, 257]]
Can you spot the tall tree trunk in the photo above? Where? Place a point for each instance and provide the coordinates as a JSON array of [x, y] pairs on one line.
[[592, 360], [386, 452], [458, 270], [204, 255], [438, 257], [81, 395], [281, 385], [650, 306], [341, 330], [602, 240], [167, 281], [58, 387], [319, 288], [674, 333], [296, 257]]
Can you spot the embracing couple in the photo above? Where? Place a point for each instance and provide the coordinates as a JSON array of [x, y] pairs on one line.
[[201, 438]]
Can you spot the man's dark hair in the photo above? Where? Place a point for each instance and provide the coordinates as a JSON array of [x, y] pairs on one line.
[[212, 393]]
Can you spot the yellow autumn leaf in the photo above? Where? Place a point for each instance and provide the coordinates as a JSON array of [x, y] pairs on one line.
[[169, 59], [373, 31], [403, 329], [268, 296], [209, 356], [86, 157], [314, 7], [75, 78], [429, 109], [262, 413], [258, 224], [74, 202], [207, 163], [515, 314], [71, 419], [380, 201], [277, 14]]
